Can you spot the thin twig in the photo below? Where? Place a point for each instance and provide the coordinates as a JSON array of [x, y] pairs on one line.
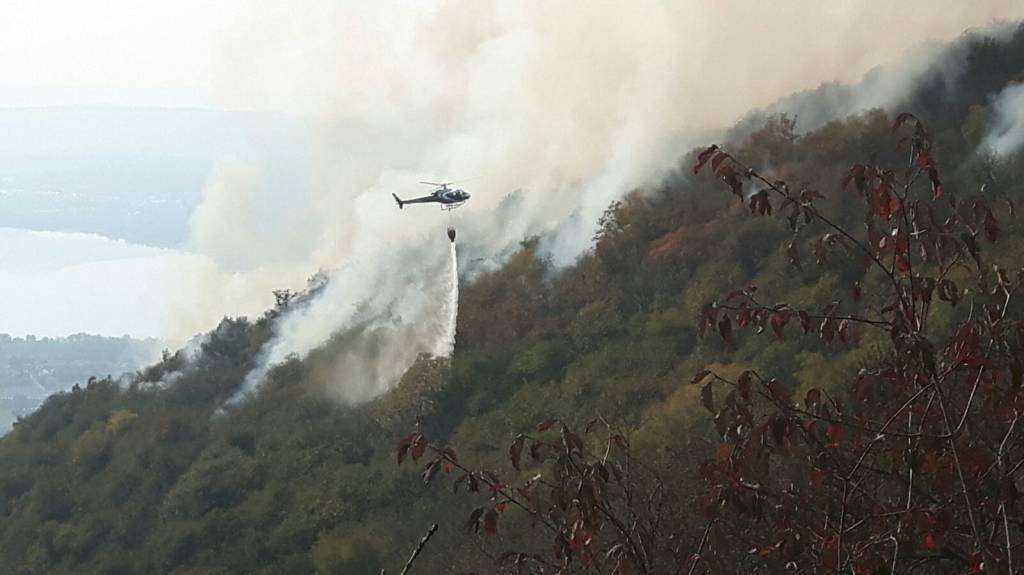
[[700, 547], [1009, 546], [419, 548], [968, 500]]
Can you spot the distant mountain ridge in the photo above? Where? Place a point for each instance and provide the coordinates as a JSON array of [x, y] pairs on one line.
[[32, 368], [128, 173]]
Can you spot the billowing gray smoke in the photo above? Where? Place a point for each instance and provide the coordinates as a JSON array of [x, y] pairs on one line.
[[388, 309], [570, 104], [1006, 136]]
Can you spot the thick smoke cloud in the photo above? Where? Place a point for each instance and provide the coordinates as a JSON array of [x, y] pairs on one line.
[[934, 64], [386, 309], [570, 105], [1007, 133]]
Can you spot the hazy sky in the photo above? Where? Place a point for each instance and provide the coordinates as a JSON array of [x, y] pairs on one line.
[[128, 52], [143, 53], [176, 54]]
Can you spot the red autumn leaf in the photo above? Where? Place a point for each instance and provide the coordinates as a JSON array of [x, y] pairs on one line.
[[489, 521], [858, 175], [879, 200], [836, 433], [743, 385], [832, 556], [451, 458], [703, 157], [732, 180], [900, 243], [717, 161], [708, 315], [515, 451], [743, 318], [938, 522], [991, 227], [472, 483], [419, 447], [903, 265], [780, 430], [759, 203], [805, 321], [975, 460], [762, 551], [495, 486], [777, 391], [404, 445], [580, 539], [893, 206], [902, 119], [621, 441], [725, 329], [536, 451], [778, 322], [812, 398]]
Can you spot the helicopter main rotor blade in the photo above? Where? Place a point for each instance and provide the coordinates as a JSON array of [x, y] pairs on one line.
[[452, 183]]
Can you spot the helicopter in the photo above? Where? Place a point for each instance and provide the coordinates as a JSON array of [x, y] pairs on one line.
[[448, 198]]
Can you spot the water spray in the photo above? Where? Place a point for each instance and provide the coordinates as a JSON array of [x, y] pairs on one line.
[[453, 298]]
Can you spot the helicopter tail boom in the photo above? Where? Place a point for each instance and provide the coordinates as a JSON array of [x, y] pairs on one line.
[[398, 200]]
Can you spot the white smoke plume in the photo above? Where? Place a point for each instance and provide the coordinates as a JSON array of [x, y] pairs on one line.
[[570, 104], [1006, 136], [387, 306]]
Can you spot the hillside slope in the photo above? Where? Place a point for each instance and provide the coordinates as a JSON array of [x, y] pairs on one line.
[[153, 478]]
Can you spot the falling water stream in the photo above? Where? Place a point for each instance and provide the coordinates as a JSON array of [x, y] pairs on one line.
[[447, 346]]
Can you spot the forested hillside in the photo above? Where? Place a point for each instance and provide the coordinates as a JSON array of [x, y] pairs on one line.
[[152, 477]]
